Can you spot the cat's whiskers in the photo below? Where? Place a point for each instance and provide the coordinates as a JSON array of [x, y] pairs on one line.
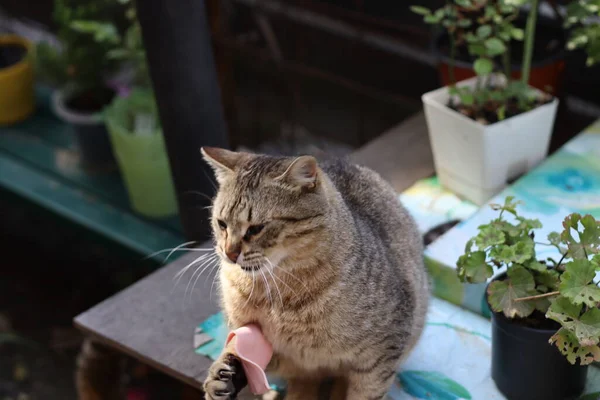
[[267, 287], [211, 262], [218, 266], [286, 272], [274, 274], [180, 274], [175, 249], [251, 290], [276, 286], [199, 269]]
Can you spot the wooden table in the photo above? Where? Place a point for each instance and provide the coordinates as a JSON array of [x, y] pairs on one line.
[[154, 320]]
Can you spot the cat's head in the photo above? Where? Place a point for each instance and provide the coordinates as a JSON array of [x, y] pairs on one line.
[[267, 209]]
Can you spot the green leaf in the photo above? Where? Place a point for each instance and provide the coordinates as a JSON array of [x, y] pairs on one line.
[[473, 268], [502, 294], [494, 46], [536, 266], [420, 10], [489, 236], [554, 239], [466, 98], [464, 23], [568, 345], [549, 278], [501, 112], [524, 250], [432, 19], [529, 224], [589, 235], [517, 33], [463, 3], [471, 38], [510, 205], [484, 31], [596, 261], [576, 283], [469, 245], [431, 385], [586, 328], [483, 66], [476, 49]]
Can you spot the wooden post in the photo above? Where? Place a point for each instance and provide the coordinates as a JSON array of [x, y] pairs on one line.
[[180, 59]]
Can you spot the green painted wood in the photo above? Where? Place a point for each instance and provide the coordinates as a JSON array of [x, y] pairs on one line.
[[39, 161], [85, 209]]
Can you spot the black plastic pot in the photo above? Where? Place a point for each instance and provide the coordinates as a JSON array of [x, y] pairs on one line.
[[90, 132], [526, 367]]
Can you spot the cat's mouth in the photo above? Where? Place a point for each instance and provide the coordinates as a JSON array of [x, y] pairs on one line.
[[250, 268]]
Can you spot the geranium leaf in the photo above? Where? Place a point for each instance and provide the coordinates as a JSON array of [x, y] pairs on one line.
[[489, 236], [576, 283], [589, 235], [570, 347], [549, 278], [529, 224], [502, 294], [554, 239], [524, 250], [517, 253], [536, 266], [472, 267]]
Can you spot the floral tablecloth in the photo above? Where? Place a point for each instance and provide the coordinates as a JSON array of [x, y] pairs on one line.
[[450, 362]]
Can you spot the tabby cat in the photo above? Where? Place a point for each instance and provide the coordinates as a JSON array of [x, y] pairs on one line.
[[327, 262]]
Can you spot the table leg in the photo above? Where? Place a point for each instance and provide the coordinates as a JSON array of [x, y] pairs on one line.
[[99, 373]]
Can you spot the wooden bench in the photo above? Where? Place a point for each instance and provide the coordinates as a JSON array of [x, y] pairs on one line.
[[154, 319]]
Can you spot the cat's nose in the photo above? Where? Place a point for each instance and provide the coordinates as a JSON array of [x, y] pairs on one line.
[[232, 255]]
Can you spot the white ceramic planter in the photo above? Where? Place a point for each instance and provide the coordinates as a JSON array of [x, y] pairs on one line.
[[476, 161]]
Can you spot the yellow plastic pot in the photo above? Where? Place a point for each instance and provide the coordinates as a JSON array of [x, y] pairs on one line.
[[16, 84]]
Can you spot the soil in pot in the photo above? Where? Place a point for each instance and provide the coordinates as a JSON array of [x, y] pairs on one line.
[[487, 113], [11, 54], [526, 367], [90, 101], [81, 110]]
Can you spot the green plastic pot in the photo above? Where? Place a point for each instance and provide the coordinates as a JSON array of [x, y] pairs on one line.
[[142, 158]]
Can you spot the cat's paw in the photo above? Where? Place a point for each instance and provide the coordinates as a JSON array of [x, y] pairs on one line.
[[226, 378]]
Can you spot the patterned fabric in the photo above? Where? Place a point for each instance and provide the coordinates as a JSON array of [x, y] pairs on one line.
[[566, 182], [450, 362]]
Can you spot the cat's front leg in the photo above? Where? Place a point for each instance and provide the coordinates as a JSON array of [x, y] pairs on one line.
[[226, 378], [302, 389], [371, 384]]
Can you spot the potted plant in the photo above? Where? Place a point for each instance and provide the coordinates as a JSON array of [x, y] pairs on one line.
[[541, 308], [133, 123], [548, 62], [489, 129], [16, 79], [582, 18], [79, 70]]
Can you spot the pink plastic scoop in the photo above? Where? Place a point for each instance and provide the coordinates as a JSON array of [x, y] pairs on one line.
[[255, 353]]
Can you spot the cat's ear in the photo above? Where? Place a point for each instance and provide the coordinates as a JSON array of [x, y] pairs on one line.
[[301, 173], [222, 161]]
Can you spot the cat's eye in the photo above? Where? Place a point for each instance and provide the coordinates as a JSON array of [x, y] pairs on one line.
[[253, 231], [222, 224]]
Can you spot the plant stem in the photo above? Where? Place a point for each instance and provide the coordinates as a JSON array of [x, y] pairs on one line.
[[539, 296], [529, 41], [506, 60], [451, 61]]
